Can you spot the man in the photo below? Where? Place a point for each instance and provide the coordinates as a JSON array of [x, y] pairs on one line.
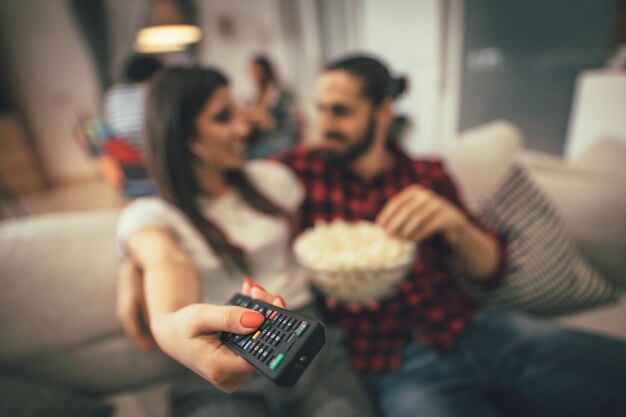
[[428, 350]]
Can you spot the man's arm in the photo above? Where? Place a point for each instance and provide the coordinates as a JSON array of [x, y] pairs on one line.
[[417, 213], [477, 252]]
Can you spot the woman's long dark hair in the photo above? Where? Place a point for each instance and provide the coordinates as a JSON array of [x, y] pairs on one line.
[[176, 98], [268, 75]]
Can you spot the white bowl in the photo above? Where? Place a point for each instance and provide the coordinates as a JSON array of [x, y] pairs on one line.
[[360, 285], [353, 261]]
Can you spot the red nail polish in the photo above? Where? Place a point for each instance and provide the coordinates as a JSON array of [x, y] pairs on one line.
[[252, 319], [254, 284]]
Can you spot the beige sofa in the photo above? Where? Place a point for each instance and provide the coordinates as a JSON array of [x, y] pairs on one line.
[[57, 321]]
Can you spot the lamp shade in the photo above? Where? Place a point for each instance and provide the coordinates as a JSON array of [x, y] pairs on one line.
[[166, 38], [169, 28]]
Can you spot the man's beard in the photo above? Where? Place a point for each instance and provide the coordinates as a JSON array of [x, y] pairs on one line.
[[355, 151]]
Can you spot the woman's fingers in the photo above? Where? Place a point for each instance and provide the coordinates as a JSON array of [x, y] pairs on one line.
[[279, 302], [226, 370], [255, 290], [262, 295], [131, 307], [191, 335], [246, 288], [208, 318], [135, 328]]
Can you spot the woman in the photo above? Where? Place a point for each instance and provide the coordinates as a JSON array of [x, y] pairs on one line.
[[271, 113], [216, 220]]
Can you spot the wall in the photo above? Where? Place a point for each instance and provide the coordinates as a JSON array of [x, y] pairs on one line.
[[234, 31], [54, 77], [58, 82], [408, 36]]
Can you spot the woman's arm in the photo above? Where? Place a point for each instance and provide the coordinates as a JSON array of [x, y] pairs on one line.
[[182, 327], [130, 308], [171, 280]]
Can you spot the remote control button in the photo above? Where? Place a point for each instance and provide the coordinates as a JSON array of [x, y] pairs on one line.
[[302, 328], [242, 342], [235, 337], [266, 355], [291, 337], [248, 345], [276, 361], [292, 323], [265, 325], [277, 339], [256, 349], [245, 303], [274, 314], [256, 335], [260, 352], [258, 307], [288, 345]]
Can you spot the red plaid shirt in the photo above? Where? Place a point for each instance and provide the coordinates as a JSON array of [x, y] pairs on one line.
[[429, 305]]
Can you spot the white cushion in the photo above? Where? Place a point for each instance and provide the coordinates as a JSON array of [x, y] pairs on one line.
[[480, 158], [58, 282]]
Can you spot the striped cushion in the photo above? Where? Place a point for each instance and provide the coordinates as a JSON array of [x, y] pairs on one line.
[[547, 274]]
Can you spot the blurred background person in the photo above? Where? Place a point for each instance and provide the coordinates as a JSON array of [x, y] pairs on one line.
[[271, 112], [124, 106], [124, 102]]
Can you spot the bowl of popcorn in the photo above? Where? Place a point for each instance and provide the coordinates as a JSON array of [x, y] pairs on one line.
[[353, 261]]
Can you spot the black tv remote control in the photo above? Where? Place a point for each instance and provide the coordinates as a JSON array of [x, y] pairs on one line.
[[283, 346]]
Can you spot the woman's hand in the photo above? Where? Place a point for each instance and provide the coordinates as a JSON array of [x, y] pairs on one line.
[[131, 306], [191, 335], [254, 290], [260, 118]]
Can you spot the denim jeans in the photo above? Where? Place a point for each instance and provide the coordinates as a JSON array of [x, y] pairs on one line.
[[507, 364]]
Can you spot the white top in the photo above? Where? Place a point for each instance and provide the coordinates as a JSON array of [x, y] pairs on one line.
[[265, 238]]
